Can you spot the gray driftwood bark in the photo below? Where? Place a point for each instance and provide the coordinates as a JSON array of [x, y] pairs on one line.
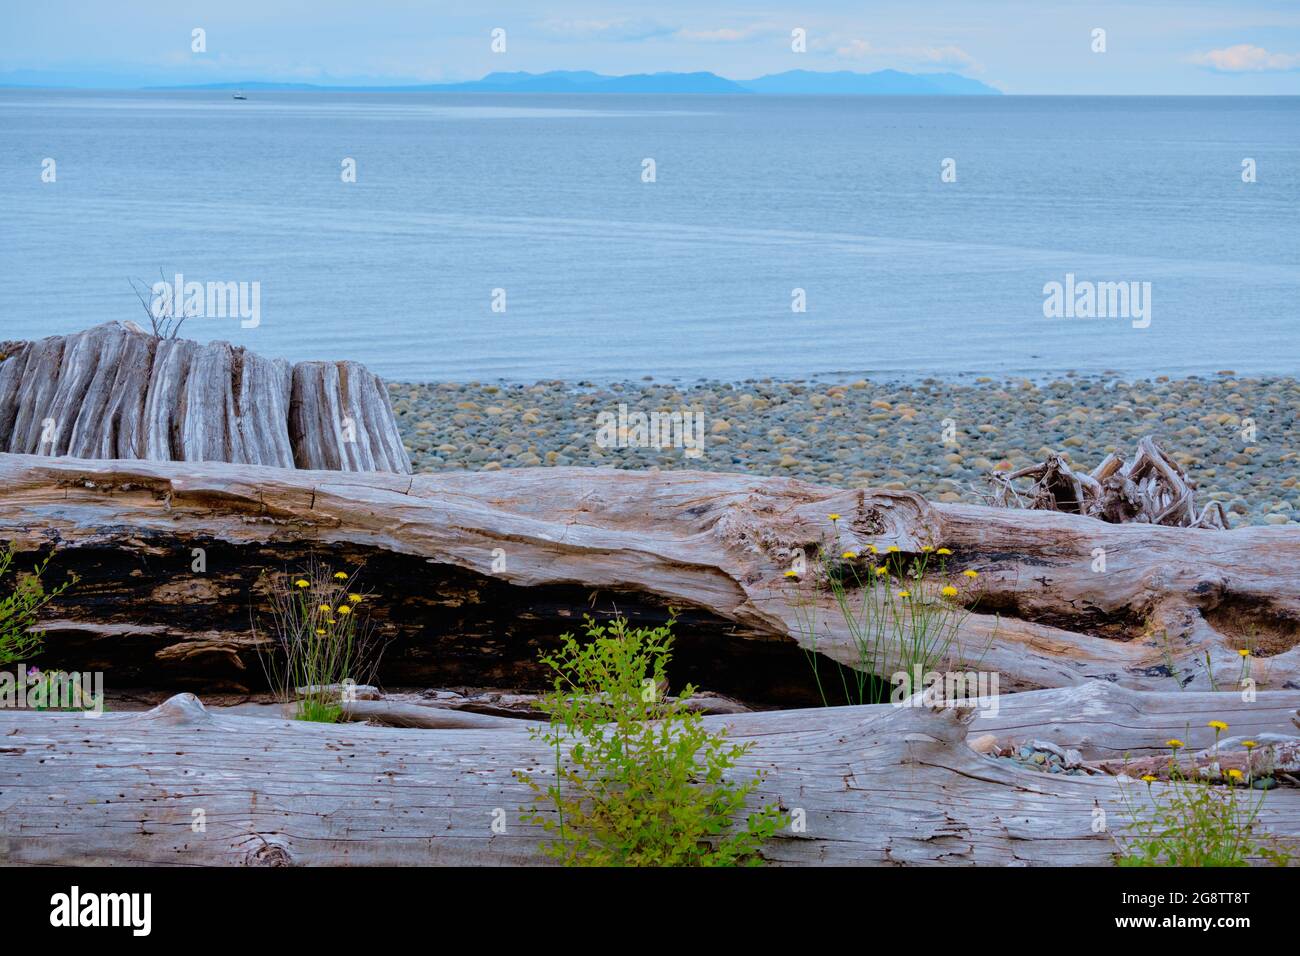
[[471, 572], [114, 391], [182, 785]]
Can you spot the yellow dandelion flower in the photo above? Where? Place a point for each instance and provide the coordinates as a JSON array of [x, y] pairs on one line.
[[872, 549], [943, 551], [1234, 773], [792, 574], [320, 630], [949, 591], [325, 607], [354, 598], [331, 621], [1217, 725], [1175, 743], [302, 584], [1250, 744], [833, 516], [1148, 778], [344, 610], [340, 575], [904, 594], [927, 549], [849, 555], [893, 548], [1244, 652], [879, 570], [970, 573]]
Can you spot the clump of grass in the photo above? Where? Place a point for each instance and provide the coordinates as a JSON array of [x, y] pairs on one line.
[[321, 638], [639, 780], [902, 612], [1192, 821], [22, 601]]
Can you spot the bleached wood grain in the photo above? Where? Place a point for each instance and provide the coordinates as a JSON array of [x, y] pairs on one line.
[[878, 785]]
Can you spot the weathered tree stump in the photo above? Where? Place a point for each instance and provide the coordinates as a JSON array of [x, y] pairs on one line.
[[117, 392]]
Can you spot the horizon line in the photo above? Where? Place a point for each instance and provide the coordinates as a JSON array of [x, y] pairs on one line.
[[598, 84]]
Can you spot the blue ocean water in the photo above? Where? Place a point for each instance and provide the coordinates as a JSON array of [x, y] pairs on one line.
[[608, 277]]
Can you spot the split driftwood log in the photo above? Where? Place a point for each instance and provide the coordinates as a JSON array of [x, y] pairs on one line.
[[440, 709], [392, 713], [1275, 754], [115, 391], [183, 785], [474, 573], [1150, 489]]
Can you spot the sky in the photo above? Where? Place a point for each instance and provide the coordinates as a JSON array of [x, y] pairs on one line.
[[1018, 46]]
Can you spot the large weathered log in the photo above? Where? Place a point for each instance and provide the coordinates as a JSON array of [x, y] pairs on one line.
[[871, 785], [115, 391], [473, 571]]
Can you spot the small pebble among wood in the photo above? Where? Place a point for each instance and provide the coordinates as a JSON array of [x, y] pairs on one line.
[[118, 392], [1150, 489]]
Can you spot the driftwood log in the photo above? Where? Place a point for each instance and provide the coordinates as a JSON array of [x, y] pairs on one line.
[[473, 573], [442, 709], [115, 391], [1276, 754], [1151, 489], [183, 785]]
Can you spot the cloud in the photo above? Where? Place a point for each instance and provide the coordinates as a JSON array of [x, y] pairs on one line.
[[948, 56], [1244, 58], [618, 31], [954, 56], [855, 50], [731, 34], [638, 30]]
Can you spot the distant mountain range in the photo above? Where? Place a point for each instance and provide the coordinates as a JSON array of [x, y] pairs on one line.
[[792, 82]]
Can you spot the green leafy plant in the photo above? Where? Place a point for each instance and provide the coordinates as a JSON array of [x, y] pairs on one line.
[[902, 613], [639, 780], [19, 637], [320, 637], [1196, 821]]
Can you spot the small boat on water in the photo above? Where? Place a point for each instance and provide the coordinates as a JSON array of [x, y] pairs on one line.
[[238, 95]]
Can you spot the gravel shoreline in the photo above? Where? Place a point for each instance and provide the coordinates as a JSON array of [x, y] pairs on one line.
[[932, 437]]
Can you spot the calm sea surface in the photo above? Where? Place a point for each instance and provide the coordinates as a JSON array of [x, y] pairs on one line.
[[608, 277]]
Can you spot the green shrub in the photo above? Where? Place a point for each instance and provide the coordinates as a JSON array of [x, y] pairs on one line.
[[1194, 822], [639, 781], [19, 638]]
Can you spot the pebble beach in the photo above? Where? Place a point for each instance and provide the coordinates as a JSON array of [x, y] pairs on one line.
[[1234, 436]]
